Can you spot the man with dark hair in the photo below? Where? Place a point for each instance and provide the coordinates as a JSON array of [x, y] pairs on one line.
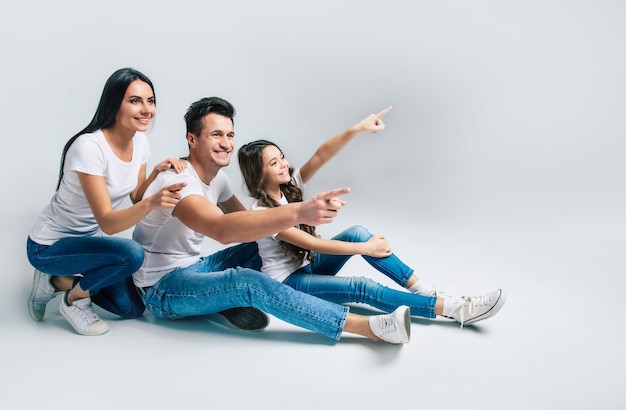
[[175, 281]]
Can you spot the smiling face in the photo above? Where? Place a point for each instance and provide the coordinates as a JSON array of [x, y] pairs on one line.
[[215, 144], [137, 108], [275, 168]]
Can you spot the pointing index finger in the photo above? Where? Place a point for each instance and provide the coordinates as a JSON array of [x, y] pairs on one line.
[[333, 193], [383, 112]]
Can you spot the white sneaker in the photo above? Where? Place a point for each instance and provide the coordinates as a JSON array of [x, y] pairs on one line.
[[394, 327], [471, 309], [82, 317], [41, 293]]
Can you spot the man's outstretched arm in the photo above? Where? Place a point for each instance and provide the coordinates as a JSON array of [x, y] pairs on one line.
[[204, 217]]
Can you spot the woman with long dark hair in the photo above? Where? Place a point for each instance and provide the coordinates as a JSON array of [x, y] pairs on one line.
[[72, 244]]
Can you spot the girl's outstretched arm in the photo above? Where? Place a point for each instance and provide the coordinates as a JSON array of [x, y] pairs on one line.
[[377, 246], [372, 123]]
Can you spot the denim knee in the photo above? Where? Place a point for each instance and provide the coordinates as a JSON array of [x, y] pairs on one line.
[[135, 255], [121, 298], [361, 234], [135, 311]]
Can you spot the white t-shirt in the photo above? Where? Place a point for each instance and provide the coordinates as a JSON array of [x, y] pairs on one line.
[[276, 260], [170, 244], [68, 214]]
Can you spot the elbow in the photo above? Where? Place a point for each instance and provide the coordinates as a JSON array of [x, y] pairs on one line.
[[220, 230], [224, 238], [107, 230], [136, 196]]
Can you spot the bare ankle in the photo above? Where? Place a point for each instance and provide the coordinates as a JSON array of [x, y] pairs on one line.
[[61, 283]]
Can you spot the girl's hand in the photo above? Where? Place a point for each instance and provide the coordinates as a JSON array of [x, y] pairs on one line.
[[175, 163], [373, 122], [377, 247]]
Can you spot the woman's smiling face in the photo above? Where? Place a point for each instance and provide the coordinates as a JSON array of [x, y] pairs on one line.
[[138, 107]]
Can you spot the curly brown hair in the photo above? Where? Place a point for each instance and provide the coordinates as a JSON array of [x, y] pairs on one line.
[[250, 158]]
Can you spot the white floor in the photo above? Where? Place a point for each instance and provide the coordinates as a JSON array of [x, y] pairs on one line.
[[557, 344]]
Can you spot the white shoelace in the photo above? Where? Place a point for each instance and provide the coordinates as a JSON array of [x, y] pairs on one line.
[[85, 312], [471, 302]]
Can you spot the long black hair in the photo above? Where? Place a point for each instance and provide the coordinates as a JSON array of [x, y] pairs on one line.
[[110, 102], [250, 158]]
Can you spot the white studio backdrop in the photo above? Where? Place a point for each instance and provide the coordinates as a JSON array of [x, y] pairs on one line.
[[507, 129]]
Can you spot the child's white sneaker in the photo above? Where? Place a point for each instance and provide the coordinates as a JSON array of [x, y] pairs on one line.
[[471, 309], [394, 327]]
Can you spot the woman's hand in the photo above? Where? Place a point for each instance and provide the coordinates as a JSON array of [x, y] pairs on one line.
[[168, 197], [175, 163]]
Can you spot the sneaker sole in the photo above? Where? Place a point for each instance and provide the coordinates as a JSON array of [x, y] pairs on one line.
[[406, 316], [31, 299], [407, 323], [491, 312], [242, 318]]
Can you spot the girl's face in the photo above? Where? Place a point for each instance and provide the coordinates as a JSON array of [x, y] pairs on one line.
[[138, 107], [275, 167]]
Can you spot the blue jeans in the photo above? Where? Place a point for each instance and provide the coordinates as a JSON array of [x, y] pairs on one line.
[[318, 278], [218, 282], [105, 266]]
